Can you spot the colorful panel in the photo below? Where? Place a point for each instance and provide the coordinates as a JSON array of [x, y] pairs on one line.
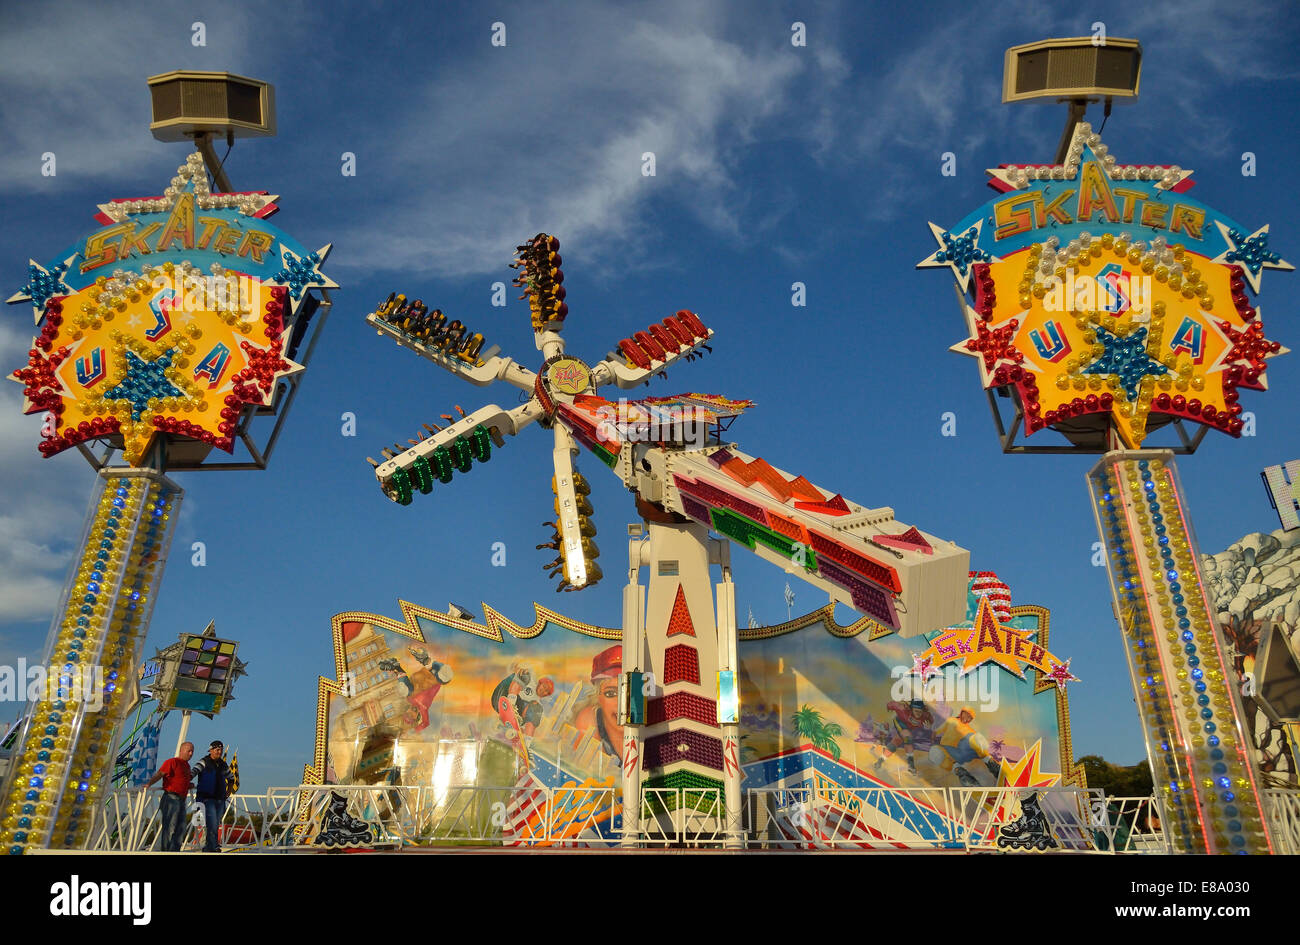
[[834, 712], [681, 705], [873, 571], [662, 751], [681, 664]]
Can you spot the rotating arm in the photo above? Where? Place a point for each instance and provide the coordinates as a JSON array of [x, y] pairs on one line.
[[470, 437], [579, 570], [479, 373], [651, 351], [899, 576]]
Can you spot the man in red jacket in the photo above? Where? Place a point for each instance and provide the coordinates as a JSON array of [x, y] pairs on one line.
[[175, 776]]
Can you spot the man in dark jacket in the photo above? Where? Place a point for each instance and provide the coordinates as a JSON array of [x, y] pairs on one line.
[[212, 781]]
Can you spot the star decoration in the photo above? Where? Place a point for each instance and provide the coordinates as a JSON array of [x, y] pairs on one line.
[[42, 389], [42, 285], [1060, 674], [958, 251], [144, 381], [191, 178], [1126, 357], [302, 272], [1086, 146], [1251, 253], [1249, 348], [923, 667], [1027, 771], [265, 367], [991, 346]]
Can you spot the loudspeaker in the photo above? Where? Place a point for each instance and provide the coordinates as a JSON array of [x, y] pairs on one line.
[[1054, 69], [220, 103]]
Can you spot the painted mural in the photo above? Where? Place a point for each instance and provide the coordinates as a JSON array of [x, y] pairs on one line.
[[447, 702], [836, 715]]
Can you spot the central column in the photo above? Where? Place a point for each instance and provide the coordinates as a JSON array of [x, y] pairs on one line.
[[682, 745]]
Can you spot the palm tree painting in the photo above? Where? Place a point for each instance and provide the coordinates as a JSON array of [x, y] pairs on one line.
[[809, 724]]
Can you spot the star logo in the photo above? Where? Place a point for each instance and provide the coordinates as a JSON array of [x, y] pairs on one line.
[[923, 667], [1091, 242], [986, 641], [144, 381], [1086, 152], [299, 273], [958, 251], [1249, 348], [1126, 357], [992, 346], [42, 285], [1251, 253], [1060, 674], [265, 367]]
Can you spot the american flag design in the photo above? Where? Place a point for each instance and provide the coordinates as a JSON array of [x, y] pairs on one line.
[[987, 584]]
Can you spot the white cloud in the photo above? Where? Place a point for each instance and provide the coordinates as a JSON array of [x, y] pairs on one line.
[[75, 84], [45, 499], [503, 146]]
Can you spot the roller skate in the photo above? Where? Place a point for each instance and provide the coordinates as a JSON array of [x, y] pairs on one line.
[[1030, 830], [339, 828], [965, 777]]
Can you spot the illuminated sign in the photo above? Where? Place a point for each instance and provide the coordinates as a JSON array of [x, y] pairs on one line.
[[171, 319], [1097, 288], [199, 673], [568, 375], [987, 641]]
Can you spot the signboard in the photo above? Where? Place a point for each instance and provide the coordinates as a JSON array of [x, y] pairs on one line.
[[172, 318], [1102, 294]]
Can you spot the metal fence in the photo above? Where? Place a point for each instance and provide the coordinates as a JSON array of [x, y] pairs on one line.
[[975, 819], [1283, 807]]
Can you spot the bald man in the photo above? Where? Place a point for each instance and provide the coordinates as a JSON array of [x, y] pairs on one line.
[[175, 776]]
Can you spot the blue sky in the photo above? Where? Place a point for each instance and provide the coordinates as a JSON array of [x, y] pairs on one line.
[[774, 164]]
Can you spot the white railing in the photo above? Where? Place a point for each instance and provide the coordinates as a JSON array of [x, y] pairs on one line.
[[1134, 826], [323, 817], [858, 818], [1283, 807], [681, 817], [131, 821]]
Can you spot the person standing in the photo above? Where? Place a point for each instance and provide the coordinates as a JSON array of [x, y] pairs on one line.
[[212, 783], [175, 777]]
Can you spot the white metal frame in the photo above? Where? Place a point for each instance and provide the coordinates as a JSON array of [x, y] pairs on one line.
[[959, 819]]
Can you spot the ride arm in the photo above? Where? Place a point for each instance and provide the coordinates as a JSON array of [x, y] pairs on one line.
[[434, 457], [480, 372], [579, 568], [650, 352], [905, 579]]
